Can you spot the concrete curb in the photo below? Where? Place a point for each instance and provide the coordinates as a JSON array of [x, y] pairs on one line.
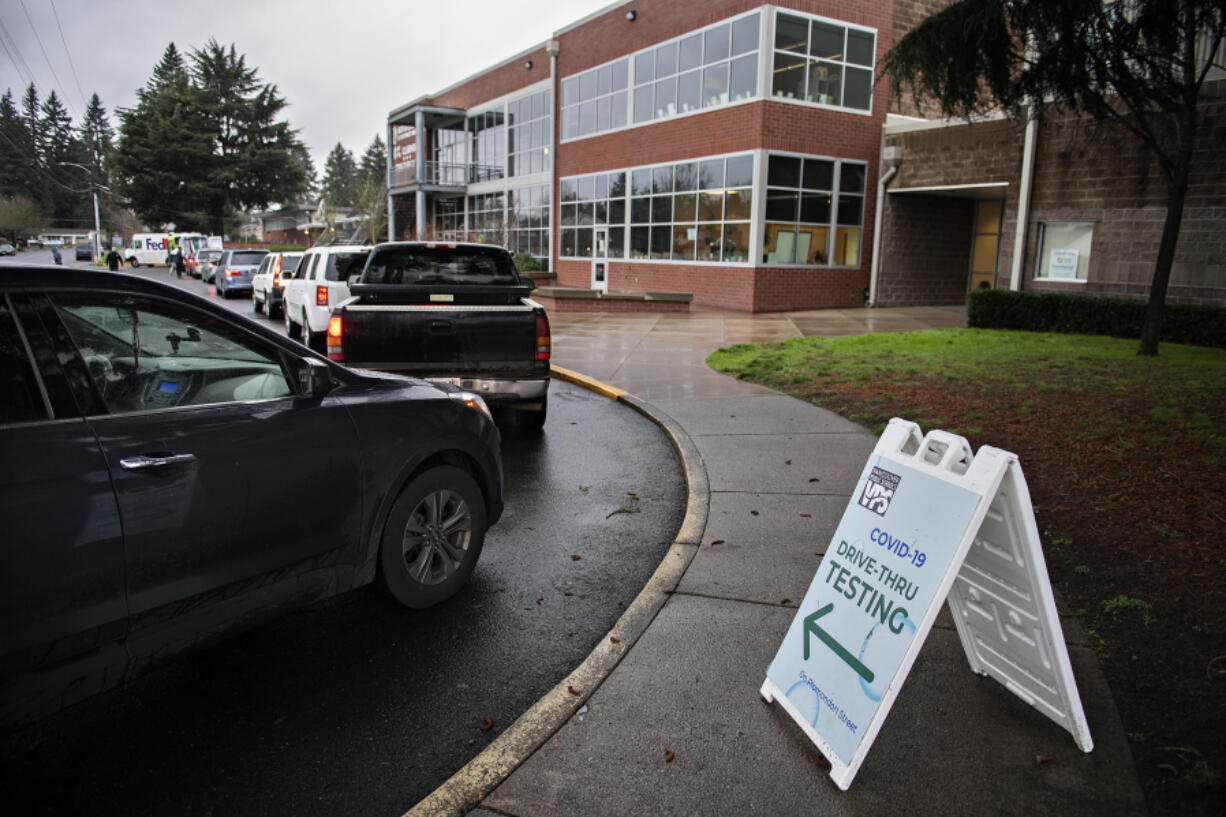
[[467, 787]]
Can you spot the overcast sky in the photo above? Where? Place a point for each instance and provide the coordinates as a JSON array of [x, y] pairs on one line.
[[341, 65]]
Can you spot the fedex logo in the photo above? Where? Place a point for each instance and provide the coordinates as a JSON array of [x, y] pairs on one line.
[[155, 243]]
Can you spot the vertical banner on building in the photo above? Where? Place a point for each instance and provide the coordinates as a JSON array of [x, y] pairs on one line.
[[891, 563]]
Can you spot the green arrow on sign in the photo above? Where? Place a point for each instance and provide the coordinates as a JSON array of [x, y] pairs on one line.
[[839, 650]]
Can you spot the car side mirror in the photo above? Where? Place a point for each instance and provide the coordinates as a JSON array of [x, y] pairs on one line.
[[314, 378]]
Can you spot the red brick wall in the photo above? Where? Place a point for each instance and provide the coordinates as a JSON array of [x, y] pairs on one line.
[[760, 125], [498, 82]]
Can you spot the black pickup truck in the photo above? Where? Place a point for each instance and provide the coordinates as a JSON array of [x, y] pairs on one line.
[[455, 313]]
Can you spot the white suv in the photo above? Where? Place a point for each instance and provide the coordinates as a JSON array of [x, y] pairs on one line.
[[320, 283]]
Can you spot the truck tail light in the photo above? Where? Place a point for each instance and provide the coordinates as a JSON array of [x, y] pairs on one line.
[[321, 296], [542, 337], [335, 327]]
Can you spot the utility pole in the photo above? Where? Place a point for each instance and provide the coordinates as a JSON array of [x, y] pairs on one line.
[[93, 188]]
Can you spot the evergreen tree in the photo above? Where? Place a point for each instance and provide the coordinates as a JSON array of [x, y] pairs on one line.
[[255, 160], [37, 188], [339, 183], [373, 167], [97, 138], [162, 158], [16, 153], [60, 147]]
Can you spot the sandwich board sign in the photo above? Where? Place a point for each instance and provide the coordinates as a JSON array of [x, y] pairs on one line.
[[927, 522]]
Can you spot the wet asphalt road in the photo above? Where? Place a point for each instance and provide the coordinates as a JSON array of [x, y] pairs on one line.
[[358, 706]]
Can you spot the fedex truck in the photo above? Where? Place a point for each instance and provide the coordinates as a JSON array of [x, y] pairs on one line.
[[154, 248]]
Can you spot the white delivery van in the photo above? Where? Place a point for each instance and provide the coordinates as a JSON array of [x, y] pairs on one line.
[[154, 248]]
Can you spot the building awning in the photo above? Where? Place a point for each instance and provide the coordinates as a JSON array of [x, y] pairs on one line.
[[981, 191]]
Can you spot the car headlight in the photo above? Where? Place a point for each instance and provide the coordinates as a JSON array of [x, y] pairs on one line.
[[473, 401]]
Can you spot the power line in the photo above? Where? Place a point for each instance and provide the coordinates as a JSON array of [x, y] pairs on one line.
[[42, 48], [19, 62], [68, 54]]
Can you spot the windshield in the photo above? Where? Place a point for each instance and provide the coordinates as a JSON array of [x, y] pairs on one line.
[[461, 266]]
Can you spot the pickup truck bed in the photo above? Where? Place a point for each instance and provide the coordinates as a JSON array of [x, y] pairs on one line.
[[469, 323]]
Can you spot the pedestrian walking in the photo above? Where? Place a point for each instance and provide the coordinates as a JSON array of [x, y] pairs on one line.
[[113, 260], [55, 253], [180, 266]]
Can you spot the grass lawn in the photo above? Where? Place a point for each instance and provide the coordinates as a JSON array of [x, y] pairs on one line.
[[1126, 461]]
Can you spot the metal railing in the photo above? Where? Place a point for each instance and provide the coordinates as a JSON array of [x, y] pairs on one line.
[[447, 174]]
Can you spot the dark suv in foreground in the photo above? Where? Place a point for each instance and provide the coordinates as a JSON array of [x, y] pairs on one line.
[[173, 472]]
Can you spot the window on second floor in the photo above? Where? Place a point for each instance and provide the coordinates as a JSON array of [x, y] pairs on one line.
[[823, 61]]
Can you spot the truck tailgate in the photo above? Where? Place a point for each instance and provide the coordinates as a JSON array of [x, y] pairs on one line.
[[449, 339]]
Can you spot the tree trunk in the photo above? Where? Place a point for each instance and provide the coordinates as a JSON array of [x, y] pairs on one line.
[[1151, 331]]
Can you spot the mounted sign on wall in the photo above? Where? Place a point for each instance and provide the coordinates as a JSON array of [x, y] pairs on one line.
[[928, 521]]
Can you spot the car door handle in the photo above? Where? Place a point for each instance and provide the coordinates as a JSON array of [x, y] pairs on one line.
[[145, 461]]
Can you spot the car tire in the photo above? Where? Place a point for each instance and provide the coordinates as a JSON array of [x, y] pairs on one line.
[[135, 263], [316, 341], [256, 306], [433, 537], [292, 330]]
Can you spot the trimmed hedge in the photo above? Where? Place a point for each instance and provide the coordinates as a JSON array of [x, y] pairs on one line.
[[1085, 315]]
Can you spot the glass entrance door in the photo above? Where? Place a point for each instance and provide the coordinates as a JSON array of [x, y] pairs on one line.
[[600, 260], [985, 248]]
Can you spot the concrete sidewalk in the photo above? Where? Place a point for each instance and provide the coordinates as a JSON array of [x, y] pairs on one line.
[[666, 718]]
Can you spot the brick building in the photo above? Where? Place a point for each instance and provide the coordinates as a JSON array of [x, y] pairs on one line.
[[730, 152]]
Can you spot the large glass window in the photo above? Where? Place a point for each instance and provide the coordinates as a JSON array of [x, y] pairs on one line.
[[450, 156], [823, 61], [528, 215], [711, 67], [689, 211], [488, 148], [529, 133], [714, 66], [589, 202], [809, 202], [449, 219], [596, 100]]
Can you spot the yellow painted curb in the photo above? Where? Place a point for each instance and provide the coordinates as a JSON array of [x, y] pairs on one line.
[[612, 392]]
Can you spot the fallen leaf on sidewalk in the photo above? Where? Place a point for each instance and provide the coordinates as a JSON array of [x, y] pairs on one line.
[[787, 462], [821, 761], [806, 515], [715, 542], [669, 755], [540, 599], [487, 725], [785, 601], [573, 691], [1039, 760], [615, 639], [814, 479], [574, 557], [754, 513]]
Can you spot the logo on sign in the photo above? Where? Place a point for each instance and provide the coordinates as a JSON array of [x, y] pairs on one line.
[[879, 490]]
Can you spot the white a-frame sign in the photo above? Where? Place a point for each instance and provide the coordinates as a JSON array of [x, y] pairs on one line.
[[928, 521]]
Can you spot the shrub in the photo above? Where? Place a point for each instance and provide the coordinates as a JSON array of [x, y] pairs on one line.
[[1084, 315], [526, 262]]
